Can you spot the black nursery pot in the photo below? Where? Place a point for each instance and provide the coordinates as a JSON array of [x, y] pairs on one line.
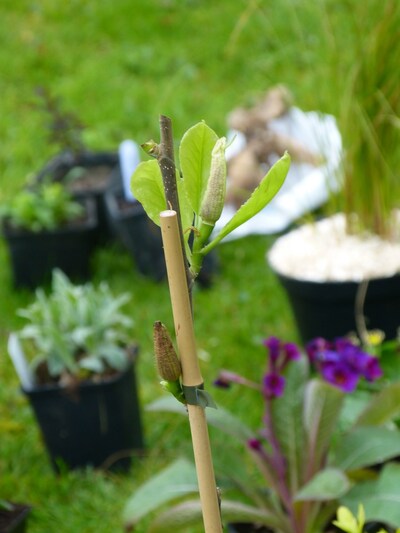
[[244, 527], [137, 232], [370, 527], [14, 520], [34, 255], [98, 424], [100, 168], [327, 309]]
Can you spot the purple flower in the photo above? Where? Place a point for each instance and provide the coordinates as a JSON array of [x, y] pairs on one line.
[[372, 369], [314, 347], [274, 347], [327, 356], [254, 444], [226, 378], [291, 351], [340, 375], [273, 385], [342, 362]]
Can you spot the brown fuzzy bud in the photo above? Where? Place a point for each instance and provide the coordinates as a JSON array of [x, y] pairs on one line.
[[168, 364]]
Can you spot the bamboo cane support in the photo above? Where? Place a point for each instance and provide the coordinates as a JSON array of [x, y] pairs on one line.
[[191, 375]]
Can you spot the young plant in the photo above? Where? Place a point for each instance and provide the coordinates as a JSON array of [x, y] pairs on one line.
[[44, 208], [187, 205], [76, 330], [200, 186], [316, 448]]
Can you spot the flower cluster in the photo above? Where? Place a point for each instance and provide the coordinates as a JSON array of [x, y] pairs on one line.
[[342, 363], [280, 354]]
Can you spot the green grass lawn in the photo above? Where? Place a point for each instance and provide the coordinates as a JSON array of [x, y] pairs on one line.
[[118, 65]]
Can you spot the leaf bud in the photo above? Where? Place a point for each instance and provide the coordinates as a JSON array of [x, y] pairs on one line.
[[214, 197], [151, 148]]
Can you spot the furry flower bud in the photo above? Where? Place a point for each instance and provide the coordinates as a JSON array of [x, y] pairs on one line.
[[214, 197], [168, 364]]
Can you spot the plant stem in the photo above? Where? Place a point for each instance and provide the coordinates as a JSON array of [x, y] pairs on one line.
[[166, 162], [279, 465]]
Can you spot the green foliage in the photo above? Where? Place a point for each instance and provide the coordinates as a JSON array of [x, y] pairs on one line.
[[176, 480], [199, 168], [379, 496], [189, 60], [368, 117], [321, 459], [45, 208], [77, 329]]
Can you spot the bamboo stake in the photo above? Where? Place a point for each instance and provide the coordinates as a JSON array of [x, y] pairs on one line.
[[191, 375]]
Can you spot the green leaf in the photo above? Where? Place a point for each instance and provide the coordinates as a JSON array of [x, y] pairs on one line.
[[234, 511], [189, 514], [261, 196], [287, 416], [382, 408], [147, 188], [322, 406], [328, 484], [219, 418], [195, 161], [366, 446], [380, 497], [175, 481]]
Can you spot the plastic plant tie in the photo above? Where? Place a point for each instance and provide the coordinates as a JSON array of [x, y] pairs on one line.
[[196, 395]]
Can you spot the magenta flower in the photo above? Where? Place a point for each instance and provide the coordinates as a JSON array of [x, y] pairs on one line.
[[274, 347], [254, 444], [291, 351], [315, 347], [372, 369], [273, 385], [225, 379], [342, 363], [340, 375]]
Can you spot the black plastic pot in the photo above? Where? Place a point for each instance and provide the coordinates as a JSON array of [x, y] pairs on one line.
[[243, 527], [371, 527], [101, 166], [137, 232], [97, 424], [14, 520], [327, 309], [34, 255]]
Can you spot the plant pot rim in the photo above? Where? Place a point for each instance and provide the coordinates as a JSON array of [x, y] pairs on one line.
[[86, 385], [23, 511], [323, 252], [133, 207]]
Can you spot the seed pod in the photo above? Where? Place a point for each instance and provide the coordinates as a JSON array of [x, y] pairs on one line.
[[214, 197], [168, 364]]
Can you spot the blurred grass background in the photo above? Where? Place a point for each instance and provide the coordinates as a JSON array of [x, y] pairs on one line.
[[118, 64]]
